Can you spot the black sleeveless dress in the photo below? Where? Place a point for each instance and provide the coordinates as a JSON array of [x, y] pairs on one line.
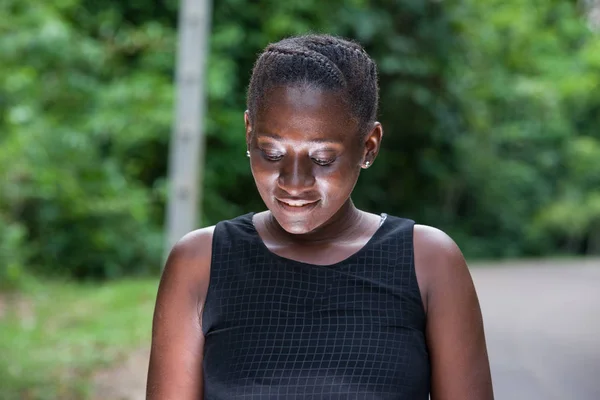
[[282, 329]]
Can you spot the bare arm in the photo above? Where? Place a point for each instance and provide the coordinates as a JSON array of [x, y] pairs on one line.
[[175, 370], [455, 336]]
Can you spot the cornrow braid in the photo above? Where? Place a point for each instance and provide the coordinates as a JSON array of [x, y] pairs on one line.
[[350, 47], [331, 69], [325, 61]]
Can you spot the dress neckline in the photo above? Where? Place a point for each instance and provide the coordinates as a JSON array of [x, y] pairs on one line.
[[249, 219]]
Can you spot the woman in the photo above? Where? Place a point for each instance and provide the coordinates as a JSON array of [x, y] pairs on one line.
[[314, 298]]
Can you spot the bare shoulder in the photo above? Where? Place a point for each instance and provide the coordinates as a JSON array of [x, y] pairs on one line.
[[189, 260], [454, 329], [434, 245], [175, 368], [437, 259], [195, 245]]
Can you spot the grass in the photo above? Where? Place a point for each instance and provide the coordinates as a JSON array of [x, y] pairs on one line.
[[54, 336]]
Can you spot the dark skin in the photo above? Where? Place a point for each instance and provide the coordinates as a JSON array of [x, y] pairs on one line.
[[306, 155]]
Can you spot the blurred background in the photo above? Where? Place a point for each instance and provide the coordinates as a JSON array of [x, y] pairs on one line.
[[491, 111]]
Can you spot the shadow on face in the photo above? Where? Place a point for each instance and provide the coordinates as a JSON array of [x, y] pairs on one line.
[[307, 151]]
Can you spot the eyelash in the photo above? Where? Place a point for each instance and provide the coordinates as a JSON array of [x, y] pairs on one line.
[[271, 157], [323, 163], [318, 161]]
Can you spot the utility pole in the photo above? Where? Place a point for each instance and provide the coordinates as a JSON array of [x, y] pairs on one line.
[[593, 13], [186, 152]]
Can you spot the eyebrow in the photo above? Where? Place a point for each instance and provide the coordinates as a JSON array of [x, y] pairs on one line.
[[281, 139]]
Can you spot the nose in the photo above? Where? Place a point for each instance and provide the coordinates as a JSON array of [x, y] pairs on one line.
[[296, 175]]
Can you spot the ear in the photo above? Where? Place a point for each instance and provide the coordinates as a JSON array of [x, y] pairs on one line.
[[248, 125], [372, 143]]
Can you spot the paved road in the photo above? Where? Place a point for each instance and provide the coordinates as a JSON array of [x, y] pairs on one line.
[[542, 324]]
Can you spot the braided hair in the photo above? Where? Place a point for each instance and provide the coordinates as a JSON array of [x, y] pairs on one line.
[[322, 61]]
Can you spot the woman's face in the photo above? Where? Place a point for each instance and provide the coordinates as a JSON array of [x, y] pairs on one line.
[[306, 155]]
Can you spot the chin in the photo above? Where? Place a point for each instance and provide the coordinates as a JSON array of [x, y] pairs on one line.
[[296, 223], [297, 229], [296, 226]]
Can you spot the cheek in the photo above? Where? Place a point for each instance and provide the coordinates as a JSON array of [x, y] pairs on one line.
[[337, 184], [264, 178]]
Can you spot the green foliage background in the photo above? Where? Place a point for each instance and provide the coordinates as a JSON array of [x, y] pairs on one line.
[[490, 109]]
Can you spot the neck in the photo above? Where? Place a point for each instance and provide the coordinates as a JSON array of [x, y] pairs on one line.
[[341, 226]]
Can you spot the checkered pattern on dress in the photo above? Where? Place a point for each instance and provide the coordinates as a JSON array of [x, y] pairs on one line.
[[276, 328]]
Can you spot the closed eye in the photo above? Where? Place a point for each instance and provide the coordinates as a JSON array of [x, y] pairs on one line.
[[271, 156], [323, 162]]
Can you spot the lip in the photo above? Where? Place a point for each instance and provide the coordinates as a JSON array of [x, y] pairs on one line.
[[297, 205]]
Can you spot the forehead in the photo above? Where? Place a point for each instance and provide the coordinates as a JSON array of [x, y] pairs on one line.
[[305, 112]]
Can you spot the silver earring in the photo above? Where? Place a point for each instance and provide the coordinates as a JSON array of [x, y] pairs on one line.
[[367, 164], [248, 153]]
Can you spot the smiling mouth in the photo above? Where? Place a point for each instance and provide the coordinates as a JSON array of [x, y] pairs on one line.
[[297, 205]]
